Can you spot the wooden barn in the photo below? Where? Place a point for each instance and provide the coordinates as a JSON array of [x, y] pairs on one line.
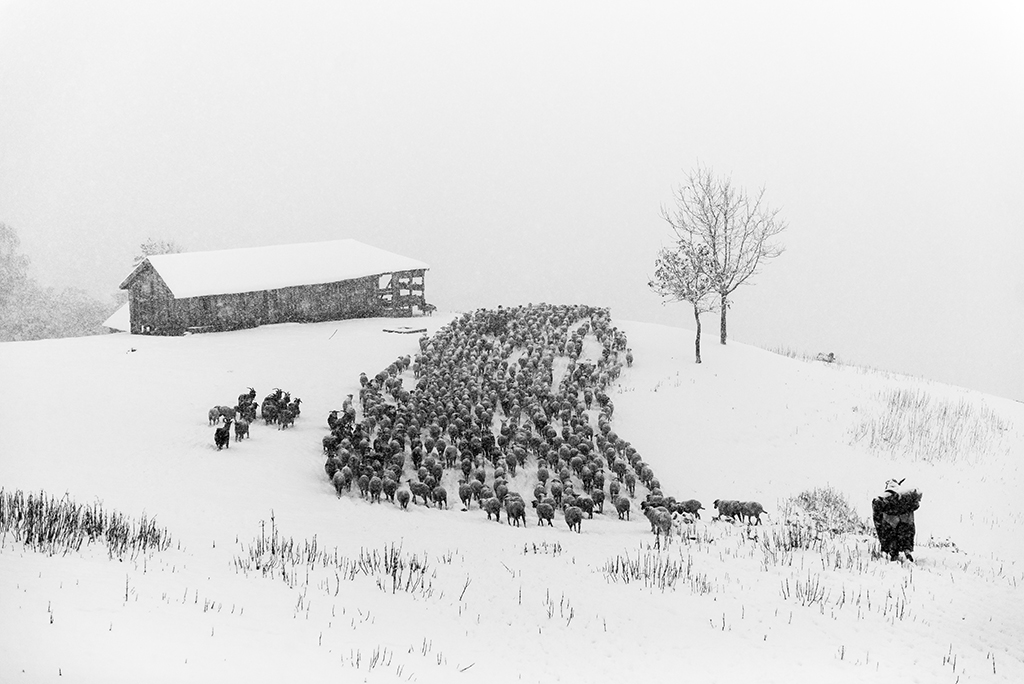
[[170, 294]]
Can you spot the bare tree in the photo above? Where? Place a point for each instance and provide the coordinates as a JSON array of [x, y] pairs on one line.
[[13, 265], [737, 229], [151, 247], [30, 311], [685, 274]]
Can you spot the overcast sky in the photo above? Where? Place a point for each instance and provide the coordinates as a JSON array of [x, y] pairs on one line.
[[524, 150]]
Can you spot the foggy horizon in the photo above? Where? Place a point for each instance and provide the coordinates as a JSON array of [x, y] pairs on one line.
[[526, 152]]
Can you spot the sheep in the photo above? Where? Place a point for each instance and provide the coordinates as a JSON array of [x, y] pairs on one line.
[[338, 480], [691, 506], [752, 510], [630, 481], [598, 497], [545, 511], [655, 500], [515, 510], [622, 507], [727, 508], [684, 518], [346, 473], [465, 493], [647, 476], [477, 488], [214, 415], [389, 486], [419, 489], [246, 398], [247, 411], [485, 494], [331, 466], [556, 491], [574, 518], [493, 506], [661, 521], [331, 444], [440, 496], [659, 517], [375, 487], [364, 485], [227, 412], [241, 429], [285, 419], [586, 504], [222, 436], [403, 498]]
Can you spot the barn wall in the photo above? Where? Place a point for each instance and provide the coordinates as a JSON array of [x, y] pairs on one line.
[[356, 298], [153, 304], [219, 312], [150, 302]]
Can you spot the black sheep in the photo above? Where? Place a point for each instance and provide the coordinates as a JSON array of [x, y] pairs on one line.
[[222, 435]]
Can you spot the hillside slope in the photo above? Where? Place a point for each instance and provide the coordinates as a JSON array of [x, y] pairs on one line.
[[122, 419]]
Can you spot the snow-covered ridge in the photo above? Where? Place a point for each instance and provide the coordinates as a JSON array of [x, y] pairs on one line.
[[123, 419]]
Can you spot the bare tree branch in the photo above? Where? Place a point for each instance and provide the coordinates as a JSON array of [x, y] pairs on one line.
[[737, 230], [152, 247]]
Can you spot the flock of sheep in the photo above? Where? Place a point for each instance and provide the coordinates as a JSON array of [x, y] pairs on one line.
[[495, 393], [483, 405]]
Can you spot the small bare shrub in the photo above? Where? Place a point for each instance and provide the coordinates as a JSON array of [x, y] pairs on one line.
[[391, 568], [823, 509], [658, 571], [543, 548], [911, 422], [50, 525]]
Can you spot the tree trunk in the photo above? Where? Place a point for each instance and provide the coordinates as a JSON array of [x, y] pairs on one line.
[[696, 341], [725, 307]]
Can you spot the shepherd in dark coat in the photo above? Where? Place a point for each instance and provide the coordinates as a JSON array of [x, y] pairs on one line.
[[893, 514]]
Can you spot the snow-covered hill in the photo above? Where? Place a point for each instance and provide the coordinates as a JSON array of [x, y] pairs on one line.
[[123, 420]]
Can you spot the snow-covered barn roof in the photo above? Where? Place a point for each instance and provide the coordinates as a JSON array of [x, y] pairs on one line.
[[253, 269], [120, 319]]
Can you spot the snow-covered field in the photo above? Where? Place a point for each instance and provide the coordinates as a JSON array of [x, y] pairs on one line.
[[123, 420]]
